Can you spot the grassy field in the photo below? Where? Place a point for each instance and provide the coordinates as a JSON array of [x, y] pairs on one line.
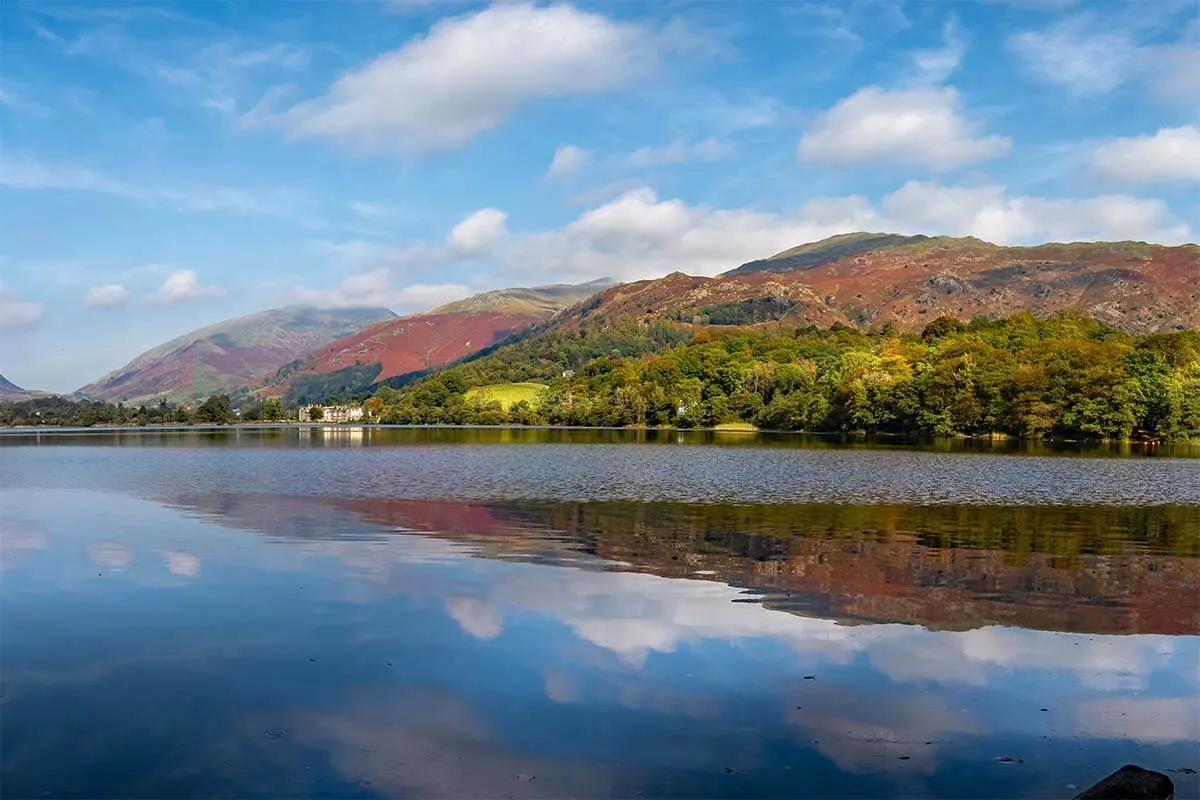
[[506, 393], [738, 427]]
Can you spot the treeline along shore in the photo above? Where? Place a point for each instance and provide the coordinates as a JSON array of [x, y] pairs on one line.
[[1067, 376]]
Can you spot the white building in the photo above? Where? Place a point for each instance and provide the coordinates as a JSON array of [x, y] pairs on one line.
[[332, 414]]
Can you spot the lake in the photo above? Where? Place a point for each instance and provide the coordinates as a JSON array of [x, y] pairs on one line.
[[370, 613]]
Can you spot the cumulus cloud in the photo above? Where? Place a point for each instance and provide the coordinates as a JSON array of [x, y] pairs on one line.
[[678, 152], [469, 73], [183, 286], [908, 126], [106, 296], [990, 213], [568, 159], [376, 288], [639, 235], [17, 314], [1171, 154], [477, 234]]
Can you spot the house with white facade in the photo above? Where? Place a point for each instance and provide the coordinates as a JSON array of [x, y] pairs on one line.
[[332, 414]]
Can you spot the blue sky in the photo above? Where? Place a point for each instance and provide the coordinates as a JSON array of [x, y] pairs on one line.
[[169, 165]]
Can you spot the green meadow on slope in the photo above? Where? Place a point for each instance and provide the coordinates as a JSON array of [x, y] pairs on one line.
[[506, 394]]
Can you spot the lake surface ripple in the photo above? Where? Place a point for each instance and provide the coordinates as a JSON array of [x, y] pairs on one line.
[[365, 613]]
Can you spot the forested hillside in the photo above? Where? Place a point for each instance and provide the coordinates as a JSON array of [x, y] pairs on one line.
[[1067, 376]]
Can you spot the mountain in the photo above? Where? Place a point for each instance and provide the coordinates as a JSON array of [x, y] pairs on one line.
[[535, 301], [867, 279], [411, 344], [12, 393], [228, 355]]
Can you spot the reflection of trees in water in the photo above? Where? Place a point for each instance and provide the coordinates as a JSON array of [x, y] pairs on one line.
[[1106, 569]]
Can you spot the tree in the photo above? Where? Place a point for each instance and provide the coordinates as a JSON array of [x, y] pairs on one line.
[[316, 413], [942, 327], [216, 410], [272, 409]]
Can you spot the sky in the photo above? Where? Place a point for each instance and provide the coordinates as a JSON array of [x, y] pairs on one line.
[[165, 166]]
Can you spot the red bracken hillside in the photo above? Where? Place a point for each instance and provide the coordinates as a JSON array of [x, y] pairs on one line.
[[418, 342], [412, 344], [865, 279]]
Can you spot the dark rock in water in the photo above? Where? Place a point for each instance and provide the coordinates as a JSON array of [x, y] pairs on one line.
[[1131, 782]]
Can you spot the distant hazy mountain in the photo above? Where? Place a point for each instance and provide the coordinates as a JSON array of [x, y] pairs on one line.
[[230, 354], [11, 392], [405, 345]]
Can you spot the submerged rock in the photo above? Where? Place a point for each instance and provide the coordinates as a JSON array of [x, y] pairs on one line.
[[1131, 782]]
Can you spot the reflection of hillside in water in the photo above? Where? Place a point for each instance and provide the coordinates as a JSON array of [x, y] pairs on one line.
[[1081, 569]]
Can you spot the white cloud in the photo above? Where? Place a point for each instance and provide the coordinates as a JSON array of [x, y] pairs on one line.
[[678, 152], [639, 235], [914, 126], [477, 234], [185, 565], [219, 75], [1171, 154], [936, 65], [183, 286], [375, 288], [988, 212], [1079, 55], [106, 296], [375, 211], [469, 73], [17, 314], [1089, 54], [568, 160], [216, 75], [478, 618], [30, 174]]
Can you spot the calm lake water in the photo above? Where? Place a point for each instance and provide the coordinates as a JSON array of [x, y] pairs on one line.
[[423, 613]]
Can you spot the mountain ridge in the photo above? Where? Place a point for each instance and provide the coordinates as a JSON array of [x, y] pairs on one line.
[[223, 356], [871, 279], [10, 392], [418, 342]]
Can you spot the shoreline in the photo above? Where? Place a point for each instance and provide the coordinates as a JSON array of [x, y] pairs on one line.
[[850, 436]]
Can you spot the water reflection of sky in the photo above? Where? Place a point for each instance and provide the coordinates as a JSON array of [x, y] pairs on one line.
[[150, 651]]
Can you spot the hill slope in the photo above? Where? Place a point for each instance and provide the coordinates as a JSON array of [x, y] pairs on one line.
[[418, 342], [11, 392], [870, 279], [227, 355]]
